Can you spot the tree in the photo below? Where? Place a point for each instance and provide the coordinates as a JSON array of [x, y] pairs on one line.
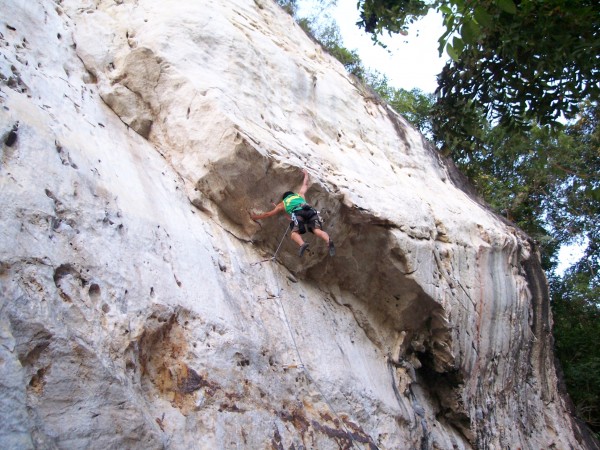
[[324, 29], [517, 61], [414, 105], [290, 6], [577, 333], [328, 34], [578, 198]]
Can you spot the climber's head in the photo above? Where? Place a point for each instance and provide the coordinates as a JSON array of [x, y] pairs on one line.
[[286, 195]]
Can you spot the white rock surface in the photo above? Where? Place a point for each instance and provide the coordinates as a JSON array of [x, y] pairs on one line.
[[135, 311]]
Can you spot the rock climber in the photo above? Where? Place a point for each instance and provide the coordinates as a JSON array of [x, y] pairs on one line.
[[303, 216]]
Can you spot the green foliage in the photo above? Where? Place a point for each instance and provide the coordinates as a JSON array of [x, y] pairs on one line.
[[414, 105], [290, 6], [516, 61], [579, 196], [547, 181], [390, 15], [324, 30], [513, 172], [328, 34], [577, 333]]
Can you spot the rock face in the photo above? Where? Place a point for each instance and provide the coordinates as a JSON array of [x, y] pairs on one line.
[[139, 304]]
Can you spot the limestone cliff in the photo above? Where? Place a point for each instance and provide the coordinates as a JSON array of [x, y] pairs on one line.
[[137, 309]]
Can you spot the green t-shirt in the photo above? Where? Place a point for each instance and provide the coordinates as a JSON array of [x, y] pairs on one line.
[[292, 203]]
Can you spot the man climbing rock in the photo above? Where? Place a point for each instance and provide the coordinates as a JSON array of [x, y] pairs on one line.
[[303, 216]]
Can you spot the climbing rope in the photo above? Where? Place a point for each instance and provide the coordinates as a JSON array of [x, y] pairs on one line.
[[287, 228], [310, 378], [304, 368], [290, 330], [272, 258], [451, 280]]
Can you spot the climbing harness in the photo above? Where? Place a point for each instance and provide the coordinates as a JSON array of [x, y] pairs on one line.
[[299, 223], [306, 215]]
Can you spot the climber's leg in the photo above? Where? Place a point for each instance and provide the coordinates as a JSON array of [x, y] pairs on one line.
[[297, 238], [322, 234]]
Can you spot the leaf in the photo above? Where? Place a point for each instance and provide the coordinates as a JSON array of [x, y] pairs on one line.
[[483, 18], [449, 21], [459, 3], [445, 9], [458, 45], [507, 6], [441, 47], [442, 41], [452, 53], [470, 31]]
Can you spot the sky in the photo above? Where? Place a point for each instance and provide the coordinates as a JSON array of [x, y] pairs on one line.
[[412, 61], [409, 62]]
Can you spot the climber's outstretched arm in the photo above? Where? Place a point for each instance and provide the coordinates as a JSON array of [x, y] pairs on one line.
[[304, 188], [277, 210]]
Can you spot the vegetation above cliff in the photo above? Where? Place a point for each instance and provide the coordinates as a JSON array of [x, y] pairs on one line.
[[516, 62]]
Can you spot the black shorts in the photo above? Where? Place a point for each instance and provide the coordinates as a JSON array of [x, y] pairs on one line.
[[306, 218]]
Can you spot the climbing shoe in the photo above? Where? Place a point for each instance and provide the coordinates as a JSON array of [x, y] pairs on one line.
[[303, 249], [331, 248]]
